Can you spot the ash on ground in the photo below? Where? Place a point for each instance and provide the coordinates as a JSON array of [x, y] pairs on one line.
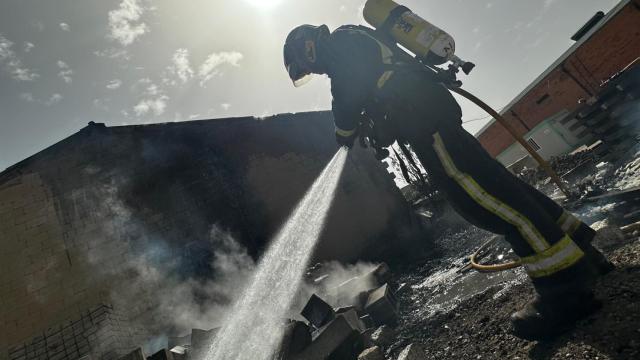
[[452, 314]]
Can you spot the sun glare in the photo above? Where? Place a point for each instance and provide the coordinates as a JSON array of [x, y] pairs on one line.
[[264, 3]]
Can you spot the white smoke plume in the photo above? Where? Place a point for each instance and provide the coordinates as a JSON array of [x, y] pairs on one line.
[[145, 280]]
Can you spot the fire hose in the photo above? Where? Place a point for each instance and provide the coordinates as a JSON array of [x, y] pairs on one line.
[[628, 230], [474, 260]]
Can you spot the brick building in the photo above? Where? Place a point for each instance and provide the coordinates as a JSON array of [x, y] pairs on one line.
[[545, 112]]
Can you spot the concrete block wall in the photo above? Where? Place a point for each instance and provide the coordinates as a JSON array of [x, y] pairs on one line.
[[38, 284], [100, 333]]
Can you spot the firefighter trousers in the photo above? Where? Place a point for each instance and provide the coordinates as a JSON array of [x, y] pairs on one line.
[[548, 239]]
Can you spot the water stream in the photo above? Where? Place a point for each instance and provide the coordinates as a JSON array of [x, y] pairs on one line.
[[254, 328]]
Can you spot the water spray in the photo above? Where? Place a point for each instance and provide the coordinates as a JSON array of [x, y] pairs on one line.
[[254, 328]]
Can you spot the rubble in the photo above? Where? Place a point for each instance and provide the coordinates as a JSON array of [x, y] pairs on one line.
[[609, 237], [174, 341], [179, 352], [412, 352], [201, 339], [163, 354], [136, 354], [297, 336], [382, 305], [333, 331], [372, 353], [383, 336], [338, 339], [318, 312], [343, 332], [354, 320]]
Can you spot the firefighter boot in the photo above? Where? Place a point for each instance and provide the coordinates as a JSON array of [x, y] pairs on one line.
[[557, 306], [544, 318]]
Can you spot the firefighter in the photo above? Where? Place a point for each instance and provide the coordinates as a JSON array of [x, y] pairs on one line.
[[374, 82]]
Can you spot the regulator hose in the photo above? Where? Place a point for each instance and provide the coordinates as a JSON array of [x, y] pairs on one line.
[[492, 267]]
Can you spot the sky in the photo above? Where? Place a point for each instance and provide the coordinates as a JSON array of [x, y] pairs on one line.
[[64, 63]]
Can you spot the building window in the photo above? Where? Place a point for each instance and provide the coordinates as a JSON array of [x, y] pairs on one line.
[[542, 99], [533, 144]]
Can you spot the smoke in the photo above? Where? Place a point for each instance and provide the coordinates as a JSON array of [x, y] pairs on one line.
[[145, 278], [178, 304], [143, 273], [338, 283]]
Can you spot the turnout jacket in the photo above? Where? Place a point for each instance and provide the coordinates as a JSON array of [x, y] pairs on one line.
[[374, 81]]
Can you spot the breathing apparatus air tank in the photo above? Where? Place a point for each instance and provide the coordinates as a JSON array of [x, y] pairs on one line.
[[430, 44]]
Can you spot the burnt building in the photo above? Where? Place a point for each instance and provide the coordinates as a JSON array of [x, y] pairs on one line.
[[83, 220]]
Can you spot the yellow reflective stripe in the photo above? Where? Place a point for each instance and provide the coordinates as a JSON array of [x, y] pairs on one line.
[[487, 201], [568, 223], [560, 256], [383, 79], [345, 133]]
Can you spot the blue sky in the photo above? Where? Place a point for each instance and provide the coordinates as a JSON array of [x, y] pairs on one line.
[[64, 63]]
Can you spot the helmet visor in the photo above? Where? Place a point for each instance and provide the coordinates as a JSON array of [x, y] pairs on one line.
[[303, 80], [292, 63]]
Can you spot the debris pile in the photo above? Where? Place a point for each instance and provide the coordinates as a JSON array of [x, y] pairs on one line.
[[359, 325], [588, 173], [563, 165]]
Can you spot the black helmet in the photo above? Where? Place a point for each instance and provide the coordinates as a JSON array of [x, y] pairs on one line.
[[300, 57]]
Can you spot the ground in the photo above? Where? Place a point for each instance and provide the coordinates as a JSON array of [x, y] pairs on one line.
[[465, 315], [478, 327]]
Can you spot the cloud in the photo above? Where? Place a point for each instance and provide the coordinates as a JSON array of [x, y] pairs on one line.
[[225, 106], [125, 24], [12, 64], [28, 97], [65, 27], [65, 72], [548, 3], [209, 68], [114, 84], [152, 90], [101, 104], [146, 87], [112, 53], [157, 106], [27, 47], [53, 99], [180, 66]]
